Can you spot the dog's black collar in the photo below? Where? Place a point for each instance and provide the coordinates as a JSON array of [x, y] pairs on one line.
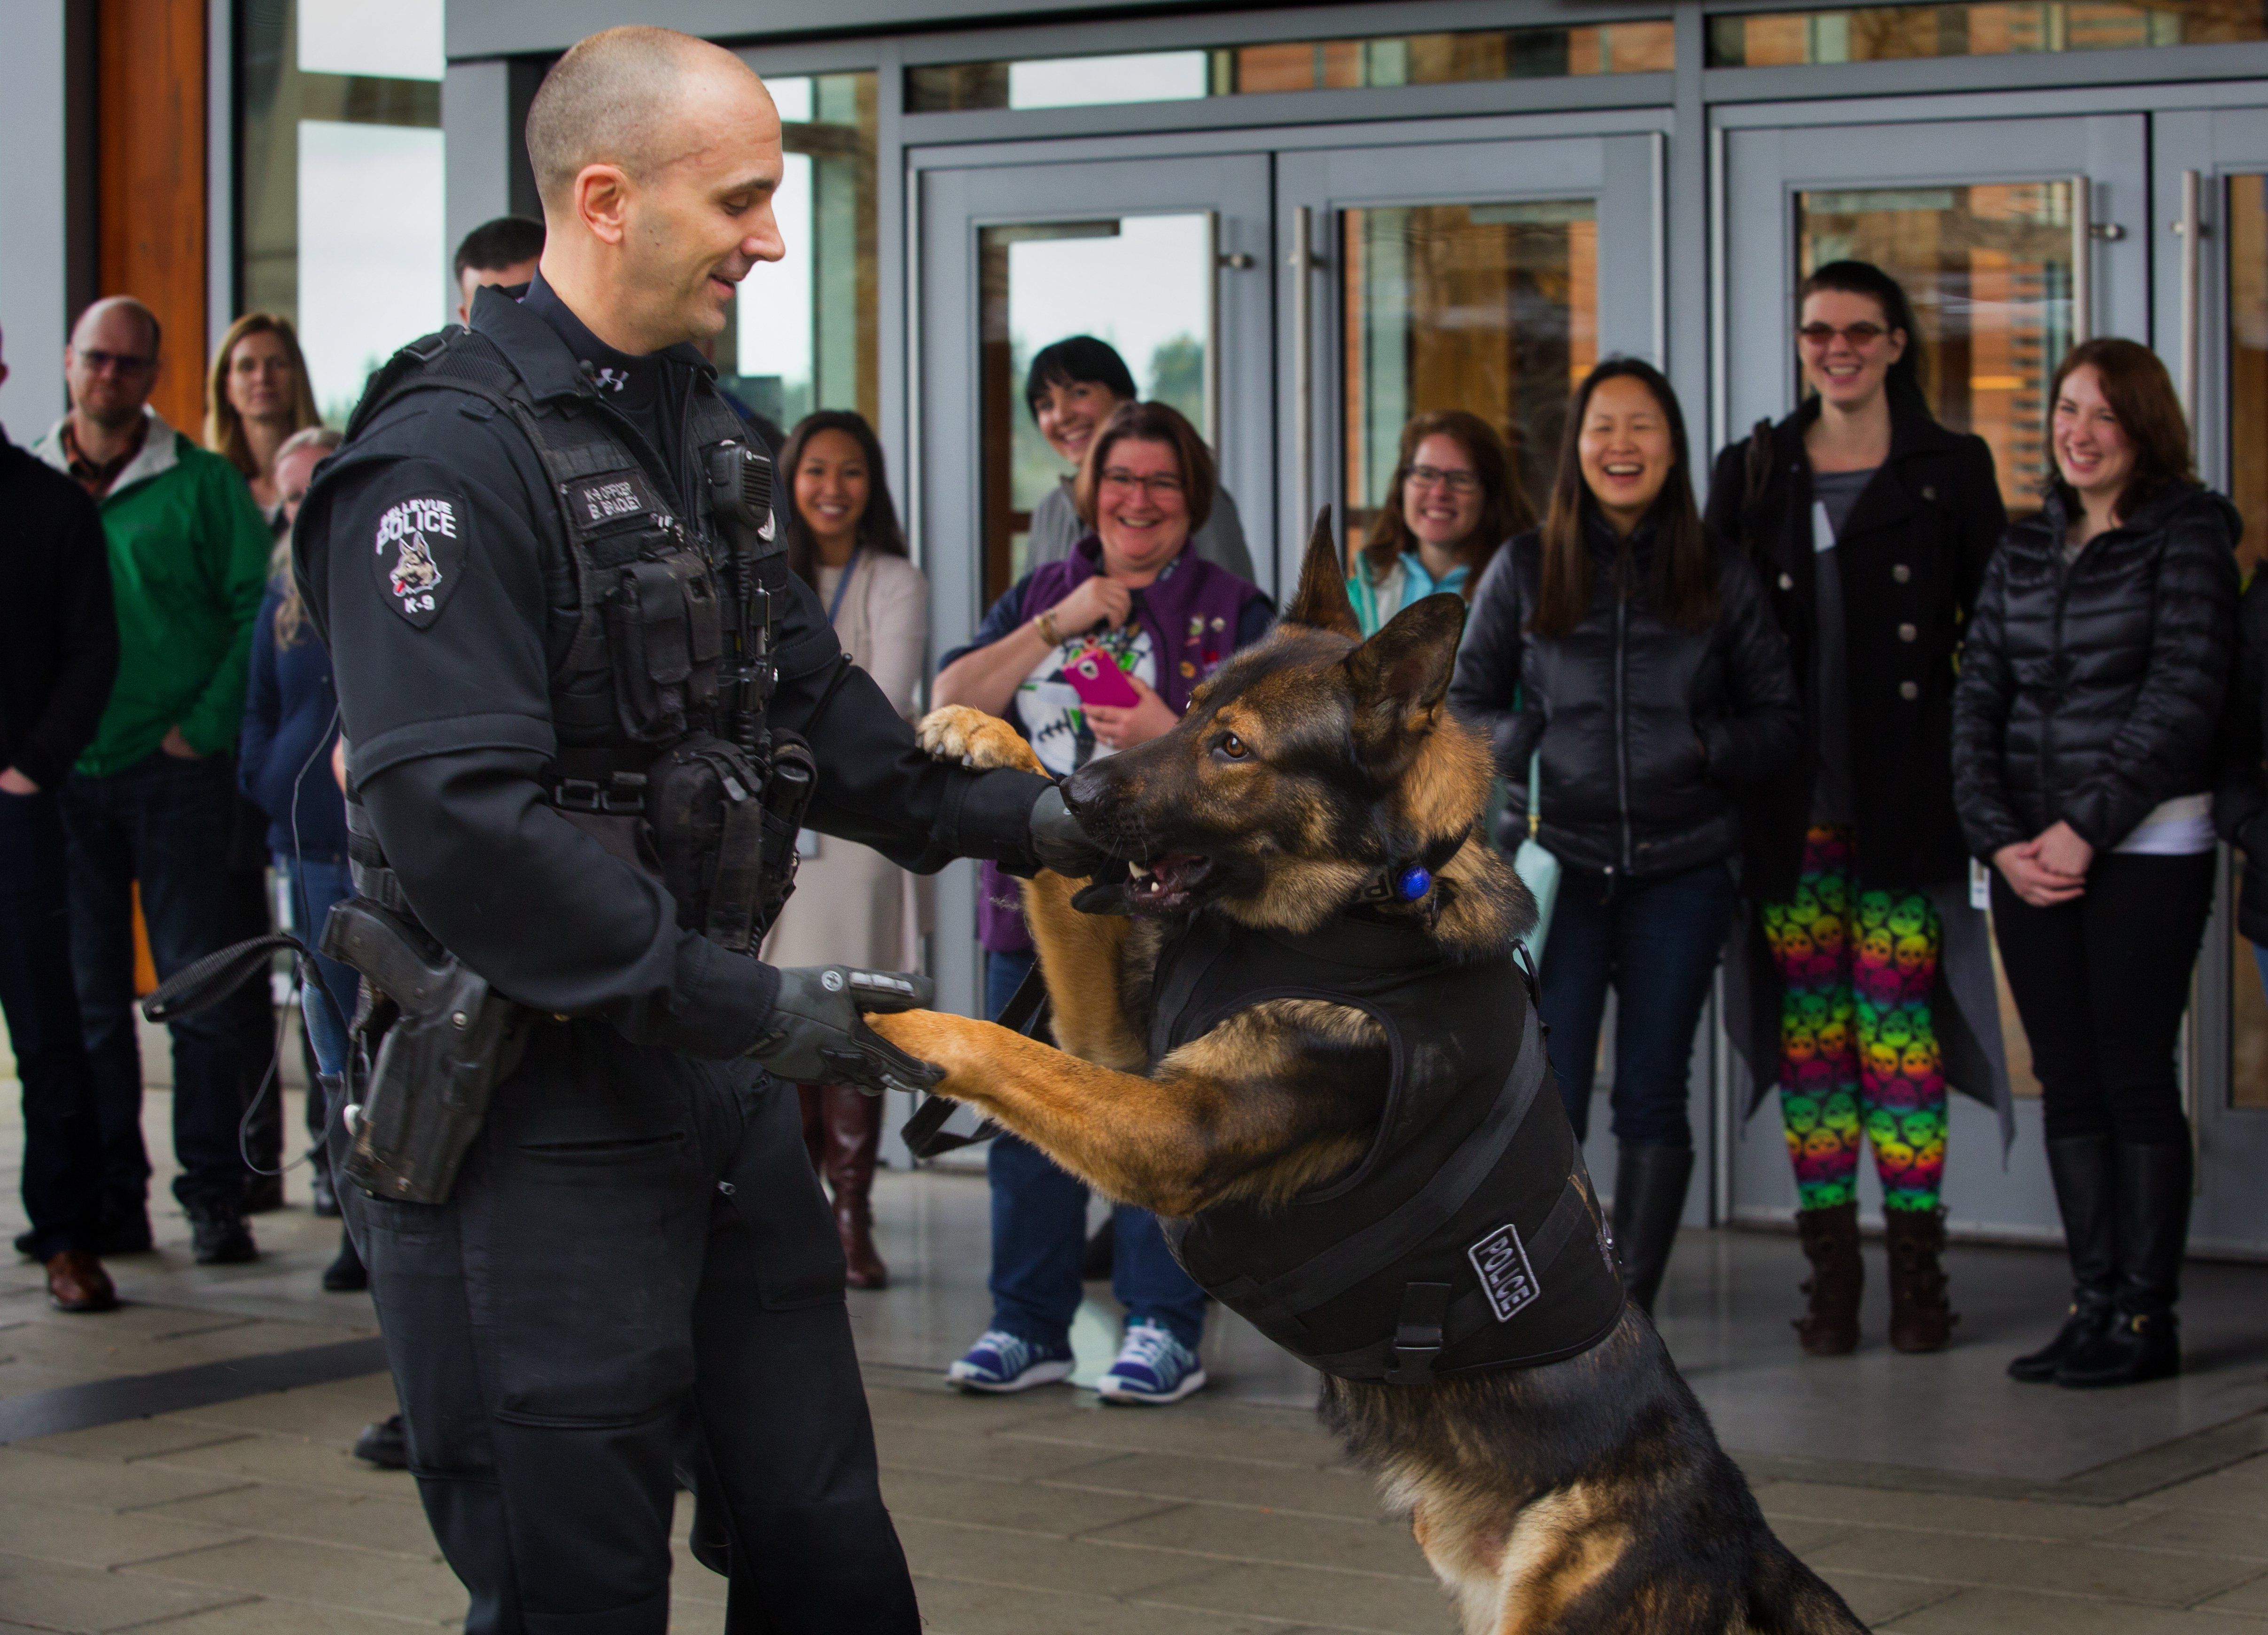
[[1408, 879]]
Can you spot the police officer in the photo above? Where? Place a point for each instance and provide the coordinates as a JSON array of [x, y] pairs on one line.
[[535, 591]]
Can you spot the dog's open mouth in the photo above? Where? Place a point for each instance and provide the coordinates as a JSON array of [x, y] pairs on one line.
[[1168, 884]]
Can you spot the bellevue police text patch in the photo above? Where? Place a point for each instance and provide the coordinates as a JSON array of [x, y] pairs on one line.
[[418, 554], [1506, 1277]]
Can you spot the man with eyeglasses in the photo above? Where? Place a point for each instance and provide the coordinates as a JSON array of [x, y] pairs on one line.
[[147, 804]]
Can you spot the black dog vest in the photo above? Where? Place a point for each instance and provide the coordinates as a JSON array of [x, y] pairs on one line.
[[1467, 1238]]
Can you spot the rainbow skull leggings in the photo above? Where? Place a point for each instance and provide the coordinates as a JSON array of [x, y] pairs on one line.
[[1857, 1050]]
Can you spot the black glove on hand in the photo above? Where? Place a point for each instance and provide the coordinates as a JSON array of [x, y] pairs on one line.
[[815, 1035], [1058, 840]]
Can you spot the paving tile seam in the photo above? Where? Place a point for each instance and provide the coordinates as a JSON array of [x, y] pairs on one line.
[[1277, 1561], [1018, 1532], [283, 1599], [1936, 1601], [2108, 1540], [177, 1617], [1216, 1612], [1298, 1513], [1113, 1448], [2031, 1589]]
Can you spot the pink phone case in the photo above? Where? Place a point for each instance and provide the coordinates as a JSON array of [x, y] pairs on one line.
[[1094, 675]]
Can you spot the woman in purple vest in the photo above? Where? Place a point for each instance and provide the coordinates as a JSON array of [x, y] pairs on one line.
[[1133, 591]]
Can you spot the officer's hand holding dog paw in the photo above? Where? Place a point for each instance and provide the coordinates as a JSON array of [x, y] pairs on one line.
[[815, 1035]]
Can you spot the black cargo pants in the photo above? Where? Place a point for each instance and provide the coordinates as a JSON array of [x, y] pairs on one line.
[[635, 1276]]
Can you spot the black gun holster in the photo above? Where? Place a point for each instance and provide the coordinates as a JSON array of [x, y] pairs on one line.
[[444, 1040]]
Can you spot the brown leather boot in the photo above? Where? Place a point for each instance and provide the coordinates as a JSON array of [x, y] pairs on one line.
[[1921, 1320], [1830, 1243], [77, 1281], [854, 1134]]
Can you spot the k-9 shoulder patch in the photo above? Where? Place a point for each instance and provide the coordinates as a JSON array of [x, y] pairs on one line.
[[418, 554], [1506, 1277]]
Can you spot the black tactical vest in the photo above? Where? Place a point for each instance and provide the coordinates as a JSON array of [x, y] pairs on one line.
[[660, 677], [1467, 1238]]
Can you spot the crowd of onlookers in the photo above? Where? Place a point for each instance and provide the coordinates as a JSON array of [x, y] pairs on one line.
[[1771, 734]]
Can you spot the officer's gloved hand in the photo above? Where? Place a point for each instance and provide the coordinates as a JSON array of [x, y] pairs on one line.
[[1058, 840], [815, 1035]]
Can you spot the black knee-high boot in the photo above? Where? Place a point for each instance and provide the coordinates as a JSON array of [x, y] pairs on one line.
[[2143, 1340], [2085, 1170], [1650, 1185]]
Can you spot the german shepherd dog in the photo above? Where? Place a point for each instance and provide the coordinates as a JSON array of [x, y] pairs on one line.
[[1587, 1495]]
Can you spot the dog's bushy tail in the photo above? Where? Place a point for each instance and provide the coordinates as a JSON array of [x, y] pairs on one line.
[[1788, 1598]]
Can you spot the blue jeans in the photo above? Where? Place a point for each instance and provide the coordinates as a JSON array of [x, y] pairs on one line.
[[1039, 1234], [1655, 942], [316, 887], [162, 823], [63, 1142]]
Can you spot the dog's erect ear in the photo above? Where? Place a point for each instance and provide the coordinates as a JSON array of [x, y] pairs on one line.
[[1320, 602], [1401, 675]]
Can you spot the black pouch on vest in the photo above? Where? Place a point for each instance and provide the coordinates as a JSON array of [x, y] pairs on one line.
[[705, 803], [666, 634]]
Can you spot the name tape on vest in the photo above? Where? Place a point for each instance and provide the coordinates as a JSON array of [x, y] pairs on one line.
[[1506, 1277]]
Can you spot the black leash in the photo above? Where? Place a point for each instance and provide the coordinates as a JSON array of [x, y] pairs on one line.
[[1027, 1012]]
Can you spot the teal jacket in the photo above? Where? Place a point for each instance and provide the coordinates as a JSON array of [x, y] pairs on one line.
[[188, 561]]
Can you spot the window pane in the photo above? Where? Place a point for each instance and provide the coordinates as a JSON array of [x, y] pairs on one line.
[[369, 280], [803, 331], [1640, 48], [1988, 270], [1487, 307], [1141, 283], [2246, 249], [388, 39], [1881, 34]]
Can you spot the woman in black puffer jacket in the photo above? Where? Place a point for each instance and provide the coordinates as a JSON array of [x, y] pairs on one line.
[[2087, 729], [1643, 673]]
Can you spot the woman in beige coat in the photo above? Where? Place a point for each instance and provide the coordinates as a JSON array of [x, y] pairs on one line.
[[851, 906]]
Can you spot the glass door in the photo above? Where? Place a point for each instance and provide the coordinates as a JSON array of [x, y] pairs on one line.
[[2210, 240], [1163, 259], [1489, 277], [2013, 238], [1483, 276]]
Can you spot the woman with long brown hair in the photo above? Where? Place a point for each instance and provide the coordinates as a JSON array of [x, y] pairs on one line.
[[2084, 751], [1454, 500], [852, 905], [1641, 668], [256, 397]]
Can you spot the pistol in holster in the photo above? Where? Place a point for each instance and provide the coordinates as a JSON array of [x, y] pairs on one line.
[[444, 1040]]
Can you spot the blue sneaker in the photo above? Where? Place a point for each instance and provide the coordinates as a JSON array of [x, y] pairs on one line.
[[1002, 1361], [1153, 1367]]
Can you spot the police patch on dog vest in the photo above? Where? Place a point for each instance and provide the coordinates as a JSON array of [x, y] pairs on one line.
[[1506, 1277], [417, 552]]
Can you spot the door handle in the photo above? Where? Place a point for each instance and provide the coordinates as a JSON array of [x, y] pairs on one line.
[[1303, 378], [2190, 228], [2083, 260]]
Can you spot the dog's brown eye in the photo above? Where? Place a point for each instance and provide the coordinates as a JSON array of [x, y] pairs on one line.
[[1232, 746]]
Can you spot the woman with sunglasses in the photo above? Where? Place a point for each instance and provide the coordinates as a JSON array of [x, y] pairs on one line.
[[1871, 525]]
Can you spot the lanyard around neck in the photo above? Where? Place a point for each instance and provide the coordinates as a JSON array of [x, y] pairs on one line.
[[843, 585]]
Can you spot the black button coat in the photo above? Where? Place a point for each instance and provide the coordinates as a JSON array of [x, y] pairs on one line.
[[1912, 553]]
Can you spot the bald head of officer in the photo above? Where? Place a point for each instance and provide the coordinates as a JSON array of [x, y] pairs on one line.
[[657, 155]]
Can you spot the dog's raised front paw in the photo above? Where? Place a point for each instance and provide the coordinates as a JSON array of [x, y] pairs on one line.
[[974, 739]]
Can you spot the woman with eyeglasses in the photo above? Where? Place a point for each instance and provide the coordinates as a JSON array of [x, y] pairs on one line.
[[1091, 654], [1638, 665], [1871, 523], [1452, 500]]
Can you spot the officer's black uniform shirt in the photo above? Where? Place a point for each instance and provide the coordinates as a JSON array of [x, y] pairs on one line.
[[444, 685], [639, 388]]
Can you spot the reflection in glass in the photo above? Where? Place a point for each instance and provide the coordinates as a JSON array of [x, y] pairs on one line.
[[803, 329], [2246, 249], [1142, 283], [387, 39], [1636, 48], [1487, 307], [1881, 34], [369, 280], [1988, 270]]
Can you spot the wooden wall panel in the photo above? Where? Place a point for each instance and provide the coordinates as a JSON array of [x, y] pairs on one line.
[[150, 118]]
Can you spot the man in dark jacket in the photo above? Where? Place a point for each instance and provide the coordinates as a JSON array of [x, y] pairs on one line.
[[58, 655]]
